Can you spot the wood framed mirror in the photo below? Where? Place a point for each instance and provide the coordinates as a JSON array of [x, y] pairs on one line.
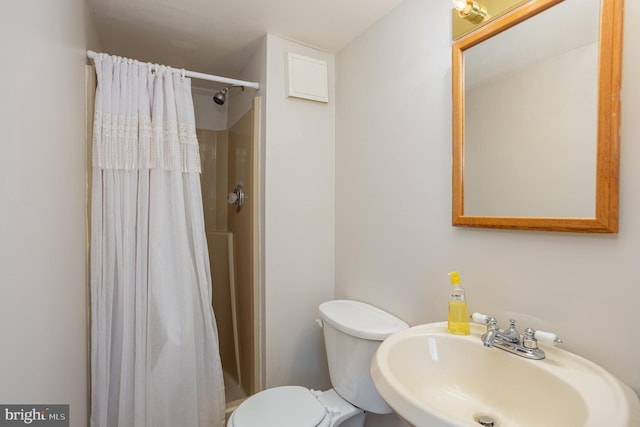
[[536, 115]]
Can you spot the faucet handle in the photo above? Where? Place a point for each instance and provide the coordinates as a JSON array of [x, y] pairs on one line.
[[531, 338], [547, 337], [492, 324], [480, 318]]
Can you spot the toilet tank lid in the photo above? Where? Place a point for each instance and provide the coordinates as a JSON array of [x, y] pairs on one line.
[[360, 320]]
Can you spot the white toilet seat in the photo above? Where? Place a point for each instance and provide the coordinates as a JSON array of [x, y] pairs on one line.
[[287, 406]]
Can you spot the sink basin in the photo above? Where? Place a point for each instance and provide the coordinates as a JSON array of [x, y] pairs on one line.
[[432, 378]]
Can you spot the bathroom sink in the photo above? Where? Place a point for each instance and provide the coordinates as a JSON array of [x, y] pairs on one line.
[[432, 378]]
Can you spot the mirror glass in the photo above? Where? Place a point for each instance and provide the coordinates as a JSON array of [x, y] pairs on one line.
[[528, 142], [549, 64]]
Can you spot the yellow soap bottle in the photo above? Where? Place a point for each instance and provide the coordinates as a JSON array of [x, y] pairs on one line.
[[458, 313]]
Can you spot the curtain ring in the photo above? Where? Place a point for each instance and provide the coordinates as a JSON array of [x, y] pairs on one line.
[[183, 73]]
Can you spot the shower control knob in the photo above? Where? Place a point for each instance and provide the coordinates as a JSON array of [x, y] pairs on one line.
[[236, 197]]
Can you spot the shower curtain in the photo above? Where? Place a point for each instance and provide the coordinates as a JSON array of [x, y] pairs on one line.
[[154, 346]]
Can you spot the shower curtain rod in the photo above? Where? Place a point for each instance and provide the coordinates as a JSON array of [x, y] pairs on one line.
[[202, 76]]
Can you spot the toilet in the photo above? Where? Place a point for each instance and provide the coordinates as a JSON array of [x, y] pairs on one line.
[[352, 332]]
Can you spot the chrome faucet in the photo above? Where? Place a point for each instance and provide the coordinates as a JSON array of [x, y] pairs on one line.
[[510, 340], [492, 331]]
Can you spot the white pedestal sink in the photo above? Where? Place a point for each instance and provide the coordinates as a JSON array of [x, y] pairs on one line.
[[432, 378]]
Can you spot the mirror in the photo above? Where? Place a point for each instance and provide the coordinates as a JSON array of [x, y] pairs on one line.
[[536, 116]]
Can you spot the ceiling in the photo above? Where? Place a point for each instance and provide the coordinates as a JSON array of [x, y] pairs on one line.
[[217, 36]]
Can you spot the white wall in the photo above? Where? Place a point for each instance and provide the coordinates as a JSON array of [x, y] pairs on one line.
[[43, 315], [299, 222], [394, 239], [209, 115]]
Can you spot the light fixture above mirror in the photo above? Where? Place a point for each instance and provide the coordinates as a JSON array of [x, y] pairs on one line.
[[469, 15], [470, 10]]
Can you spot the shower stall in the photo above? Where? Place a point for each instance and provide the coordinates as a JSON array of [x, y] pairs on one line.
[[229, 162]]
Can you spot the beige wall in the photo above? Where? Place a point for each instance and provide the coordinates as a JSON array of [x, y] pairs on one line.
[[213, 182], [242, 225], [214, 148], [394, 241], [43, 315]]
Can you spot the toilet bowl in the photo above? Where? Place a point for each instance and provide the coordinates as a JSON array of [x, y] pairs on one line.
[[352, 332]]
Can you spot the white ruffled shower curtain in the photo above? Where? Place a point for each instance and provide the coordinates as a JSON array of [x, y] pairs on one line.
[[154, 345]]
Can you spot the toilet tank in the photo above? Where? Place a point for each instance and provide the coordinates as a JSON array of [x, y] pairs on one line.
[[353, 331]]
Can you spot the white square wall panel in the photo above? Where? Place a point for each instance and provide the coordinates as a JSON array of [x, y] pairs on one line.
[[307, 78]]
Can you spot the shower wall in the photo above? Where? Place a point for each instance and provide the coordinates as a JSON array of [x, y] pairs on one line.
[[241, 170], [214, 151], [227, 151], [214, 157]]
